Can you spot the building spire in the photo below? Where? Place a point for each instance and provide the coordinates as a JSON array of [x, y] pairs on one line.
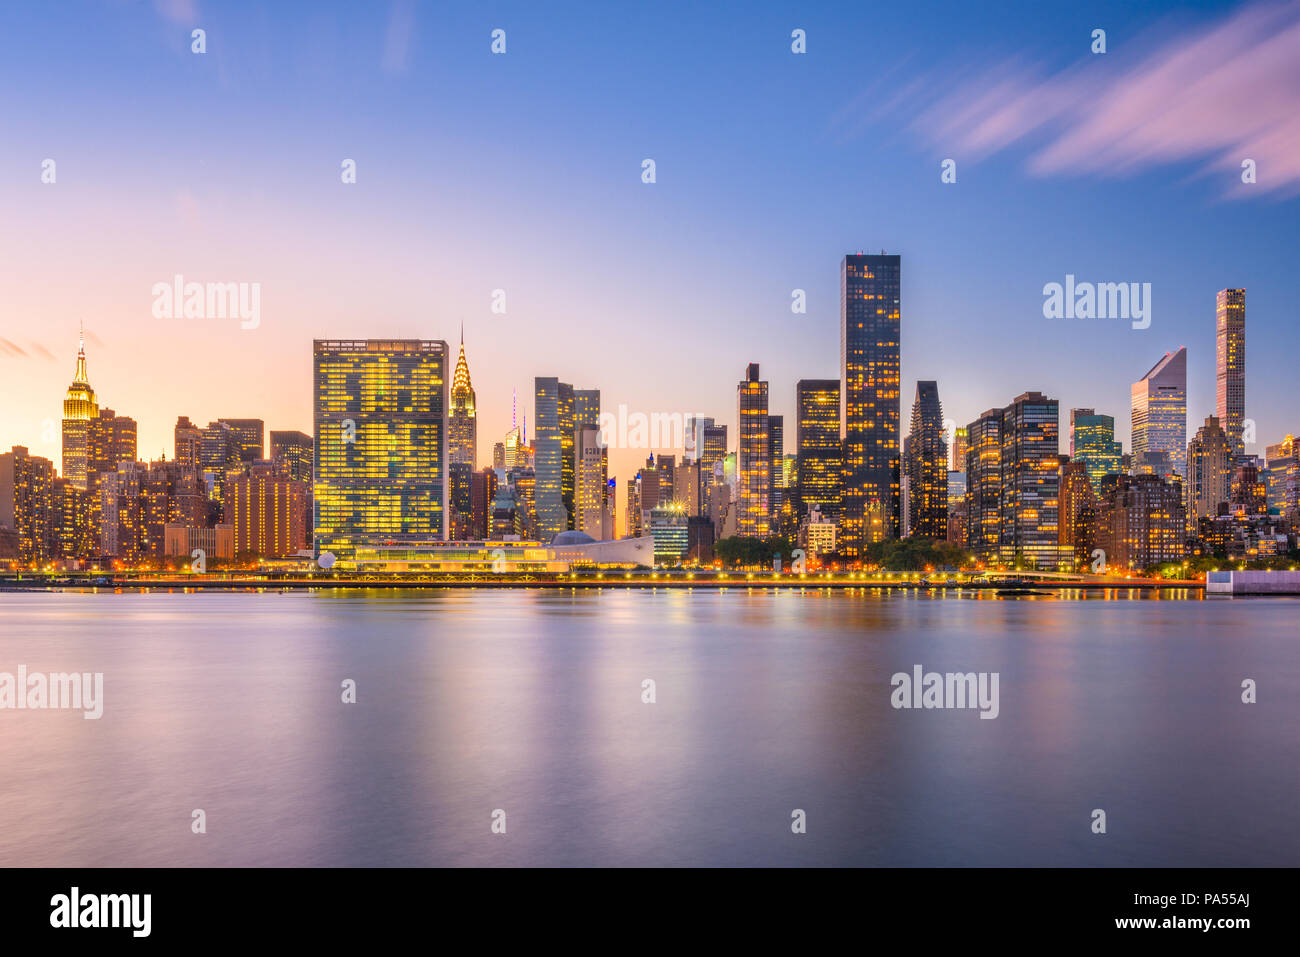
[[81, 377]]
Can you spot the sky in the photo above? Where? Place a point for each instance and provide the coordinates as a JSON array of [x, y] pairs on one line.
[[522, 172]]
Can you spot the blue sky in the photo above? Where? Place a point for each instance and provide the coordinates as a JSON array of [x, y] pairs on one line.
[[522, 172]]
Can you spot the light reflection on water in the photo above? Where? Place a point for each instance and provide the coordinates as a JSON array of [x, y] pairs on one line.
[[530, 701]]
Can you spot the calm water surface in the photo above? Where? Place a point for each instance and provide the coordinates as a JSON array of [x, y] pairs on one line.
[[530, 701]]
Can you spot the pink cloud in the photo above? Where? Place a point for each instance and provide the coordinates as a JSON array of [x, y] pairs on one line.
[[1218, 95]]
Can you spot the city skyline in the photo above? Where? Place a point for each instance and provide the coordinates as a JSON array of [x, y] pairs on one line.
[[81, 403]]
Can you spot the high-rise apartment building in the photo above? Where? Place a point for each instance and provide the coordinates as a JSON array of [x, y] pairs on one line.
[[1209, 471], [26, 481], [1030, 482], [1141, 522], [266, 509], [819, 459], [1230, 364], [984, 485], [1283, 461]]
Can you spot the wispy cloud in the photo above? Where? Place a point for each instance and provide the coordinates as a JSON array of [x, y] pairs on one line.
[[397, 40], [1214, 96], [183, 12]]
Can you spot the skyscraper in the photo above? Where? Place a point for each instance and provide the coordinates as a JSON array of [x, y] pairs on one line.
[[776, 499], [554, 408], [591, 466], [1092, 442], [817, 406], [79, 407], [26, 481], [1140, 521], [187, 442], [1159, 411], [984, 485], [219, 456], [1030, 482], [869, 399], [266, 509], [110, 439], [958, 451], [295, 451], [927, 465], [592, 461], [1077, 513], [754, 457], [1209, 471], [381, 443], [250, 436], [1230, 364], [462, 420], [1283, 461]]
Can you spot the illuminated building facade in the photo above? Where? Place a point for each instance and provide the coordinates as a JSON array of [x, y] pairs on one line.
[[984, 485], [1209, 471], [26, 481], [267, 511], [754, 458], [187, 442], [1141, 522], [295, 453], [592, 458], [554, 409], [250, 438], [462, 420], [1159, 411], [927, 465], [1078, 511], [1030, 482], [869, 400], [79, 408], [220, 456], [819, 460], [381, 443], [777, 500], [1092, 443], [1284, 475], [1230, 364]]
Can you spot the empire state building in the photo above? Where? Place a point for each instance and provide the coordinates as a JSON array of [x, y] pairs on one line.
[[79, 408]]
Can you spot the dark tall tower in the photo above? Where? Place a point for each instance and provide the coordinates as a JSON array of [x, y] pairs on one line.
[[927, 466], [869, 400], [1230, 364]]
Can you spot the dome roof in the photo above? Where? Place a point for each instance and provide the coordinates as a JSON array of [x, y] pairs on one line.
[[572, 537]]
